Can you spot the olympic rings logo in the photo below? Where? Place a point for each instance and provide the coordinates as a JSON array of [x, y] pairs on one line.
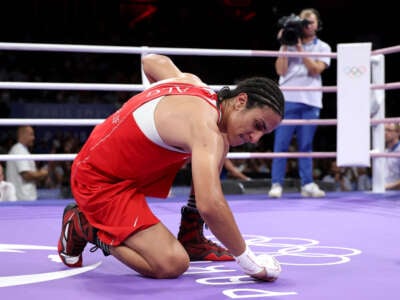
[[294, 251], [355, 71], [297, 251]]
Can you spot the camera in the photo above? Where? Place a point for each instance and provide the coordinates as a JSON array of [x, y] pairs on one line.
[[292, 29]]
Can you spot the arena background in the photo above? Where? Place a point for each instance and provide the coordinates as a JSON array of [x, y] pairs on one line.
[[220, 24]]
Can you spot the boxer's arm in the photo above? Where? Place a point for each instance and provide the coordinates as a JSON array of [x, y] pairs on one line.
[[159, 67], [207, 156], [209, 151]]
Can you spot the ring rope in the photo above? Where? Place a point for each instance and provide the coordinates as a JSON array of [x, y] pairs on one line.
[[164, 50], [25, 85], [387, 50], [92, 122], [146, 49], [171, 51], [231, 155]]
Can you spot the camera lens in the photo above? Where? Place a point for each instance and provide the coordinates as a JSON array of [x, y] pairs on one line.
[[289, 37]]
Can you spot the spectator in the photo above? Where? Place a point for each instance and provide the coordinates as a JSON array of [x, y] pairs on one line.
[[7, 189], [24, 173], [300, 71], [363, 179], [392, 178], [339, 177]]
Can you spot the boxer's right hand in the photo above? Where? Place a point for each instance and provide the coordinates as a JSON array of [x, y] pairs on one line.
[[271, 268], [263, 267]]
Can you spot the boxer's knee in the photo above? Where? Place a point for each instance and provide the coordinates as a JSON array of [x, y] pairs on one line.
[[172, 265]]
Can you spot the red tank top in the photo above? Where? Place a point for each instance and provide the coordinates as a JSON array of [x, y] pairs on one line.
[[117, 150]]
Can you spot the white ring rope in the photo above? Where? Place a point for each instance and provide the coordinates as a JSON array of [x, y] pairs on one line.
[[388, 50], [24, 85], [231, 155], [18, 85], [168, 51], [145, 49], [92, 122]]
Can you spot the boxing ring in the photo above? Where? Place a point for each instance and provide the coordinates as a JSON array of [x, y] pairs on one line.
[[344, 246]]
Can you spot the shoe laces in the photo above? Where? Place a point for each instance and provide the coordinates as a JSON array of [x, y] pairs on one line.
[[94, 248], [100, 245]]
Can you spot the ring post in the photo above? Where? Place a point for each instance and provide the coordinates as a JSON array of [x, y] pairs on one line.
[[378, 131], [353, 106]]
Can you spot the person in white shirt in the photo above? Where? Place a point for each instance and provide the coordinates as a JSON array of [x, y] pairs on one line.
[[392, 178], [7, 189], [23, 173], [300, 71]]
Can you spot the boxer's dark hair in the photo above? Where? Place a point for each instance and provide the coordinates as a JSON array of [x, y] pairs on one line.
[[261, 92]]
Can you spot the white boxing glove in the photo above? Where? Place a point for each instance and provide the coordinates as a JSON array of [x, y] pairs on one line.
[[271, 264], [252, 264]]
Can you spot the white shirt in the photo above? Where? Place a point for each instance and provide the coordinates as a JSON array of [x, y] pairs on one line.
[[7, 191], [297, 75], [26, 190]]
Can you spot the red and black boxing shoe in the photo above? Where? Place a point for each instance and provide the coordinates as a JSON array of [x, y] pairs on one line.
[[206, 250], [72, 240], [192, 239]]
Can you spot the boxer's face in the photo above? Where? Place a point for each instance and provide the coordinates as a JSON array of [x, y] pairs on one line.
[[249, 125]]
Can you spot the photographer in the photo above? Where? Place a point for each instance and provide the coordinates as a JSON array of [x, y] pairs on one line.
[[299, 33]]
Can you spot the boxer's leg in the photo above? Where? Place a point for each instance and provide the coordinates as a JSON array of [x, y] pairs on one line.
[[153, 252]]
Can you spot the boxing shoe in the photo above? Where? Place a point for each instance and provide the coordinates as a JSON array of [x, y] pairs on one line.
[[192, 238], [76, 232]]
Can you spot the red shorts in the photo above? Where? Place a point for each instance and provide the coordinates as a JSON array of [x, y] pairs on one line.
[[117, 210]]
